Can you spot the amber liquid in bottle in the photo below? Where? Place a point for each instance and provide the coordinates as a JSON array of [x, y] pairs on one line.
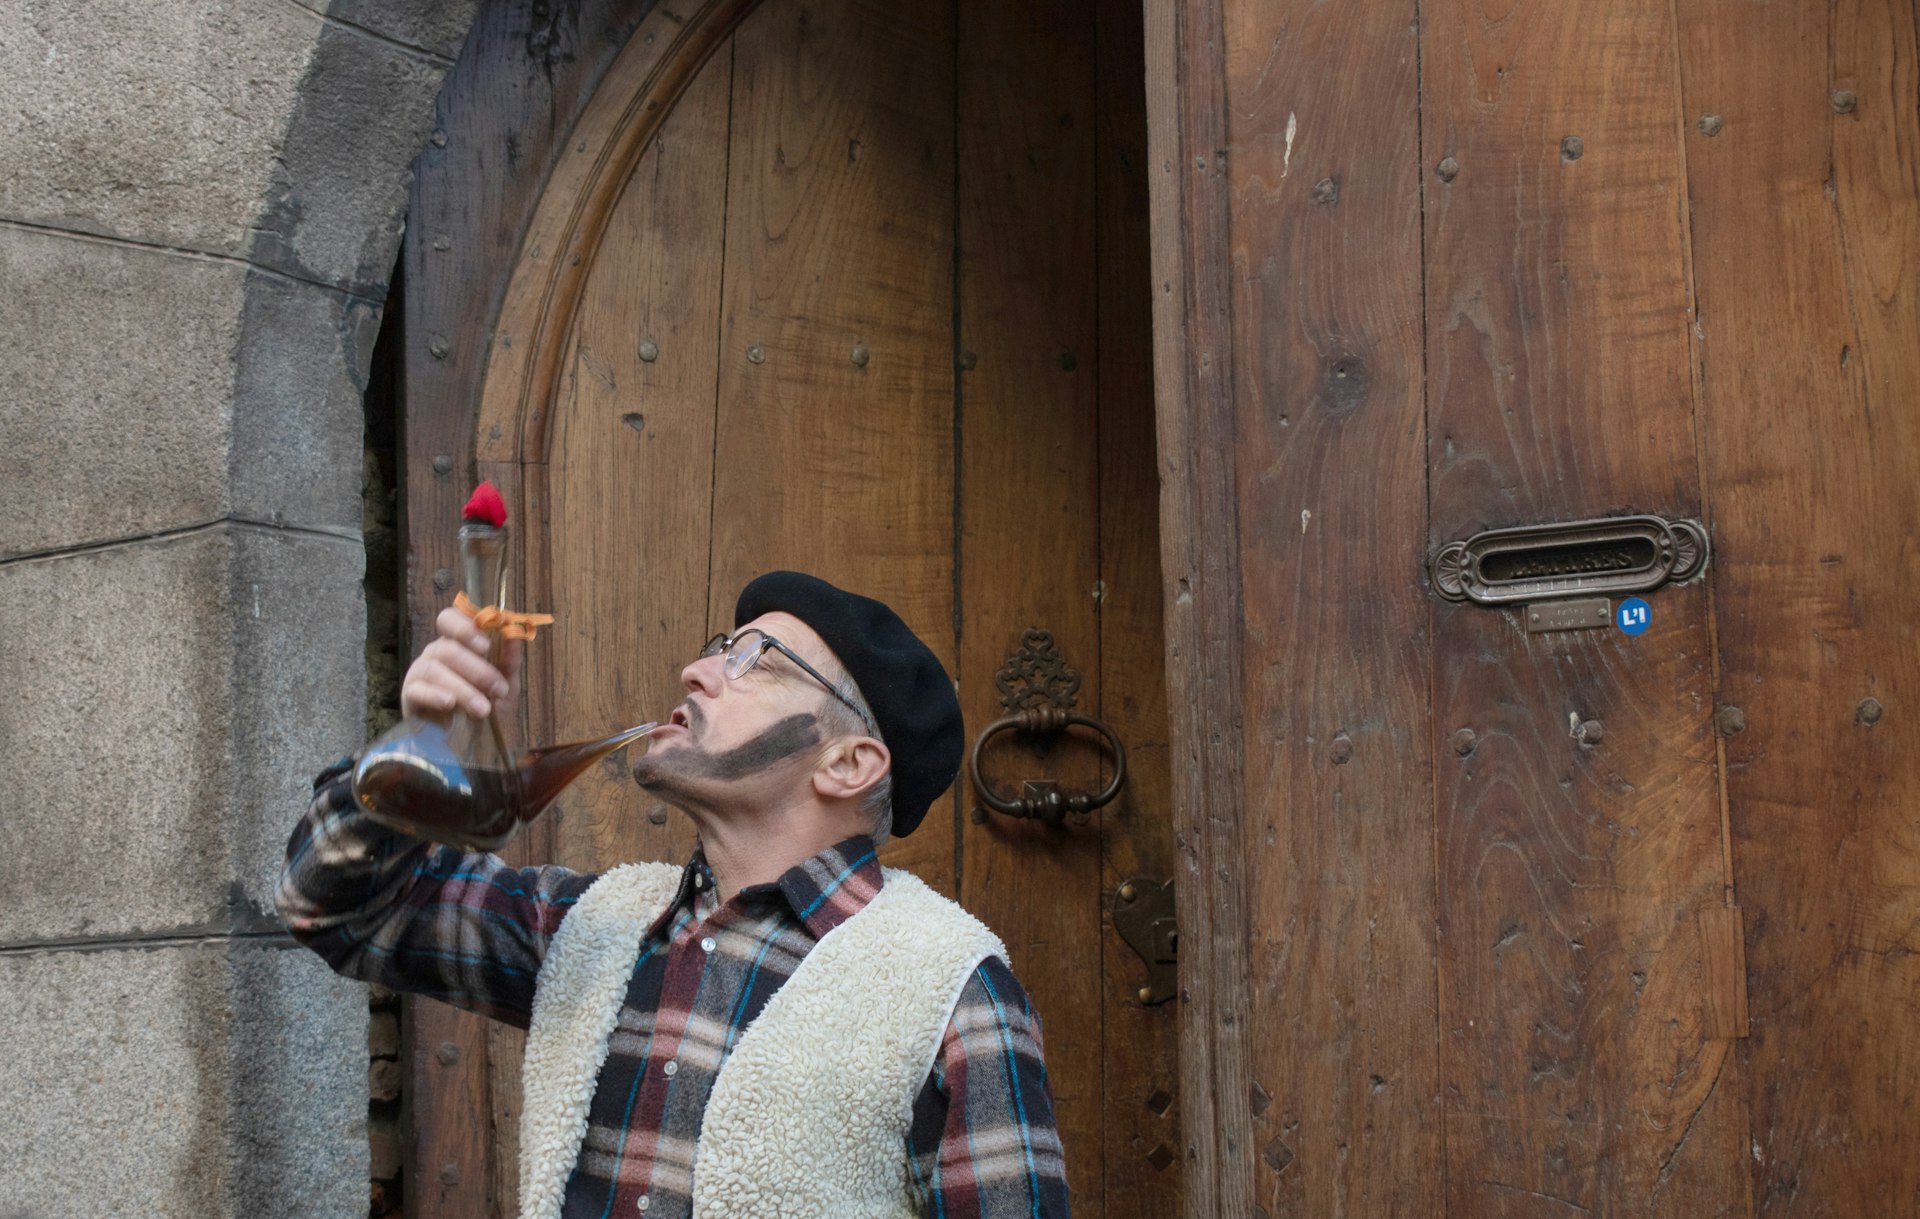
[[464, 782], [425, 789]]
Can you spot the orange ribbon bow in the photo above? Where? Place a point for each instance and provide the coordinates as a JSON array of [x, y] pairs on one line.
[[510, 623]]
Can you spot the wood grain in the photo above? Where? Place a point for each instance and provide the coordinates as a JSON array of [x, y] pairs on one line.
[[590, 168], [1201, 585], [630, 474], [473, 195], [1140, 1164], [1329, 443], [839, 234], [1807, 236], [1576, 1071], [1029, 504], [449, 1169], [1723, 968]]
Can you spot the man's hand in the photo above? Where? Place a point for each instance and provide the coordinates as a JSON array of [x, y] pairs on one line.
[[453, 672]]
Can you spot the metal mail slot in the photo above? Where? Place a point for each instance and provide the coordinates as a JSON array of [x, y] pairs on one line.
[[1617, 555]]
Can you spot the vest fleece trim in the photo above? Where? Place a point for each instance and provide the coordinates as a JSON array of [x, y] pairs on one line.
[[810, 1113]]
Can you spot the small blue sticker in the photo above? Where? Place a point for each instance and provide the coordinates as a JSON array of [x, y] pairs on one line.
[[1634, 616]]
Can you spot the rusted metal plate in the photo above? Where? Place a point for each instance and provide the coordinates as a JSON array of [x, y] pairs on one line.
[[1587, 613]]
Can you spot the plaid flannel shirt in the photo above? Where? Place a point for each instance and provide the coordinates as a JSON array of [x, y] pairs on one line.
[[472, 931]]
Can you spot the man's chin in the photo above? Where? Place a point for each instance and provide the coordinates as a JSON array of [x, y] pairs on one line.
[[655, 774]]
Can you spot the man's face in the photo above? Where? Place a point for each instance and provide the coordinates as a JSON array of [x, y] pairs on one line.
[[747, 741]]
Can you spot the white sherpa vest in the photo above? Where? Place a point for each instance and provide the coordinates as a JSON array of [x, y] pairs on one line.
[[811, 1111]]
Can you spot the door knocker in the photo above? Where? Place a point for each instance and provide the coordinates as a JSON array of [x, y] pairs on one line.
[[1037, 690]]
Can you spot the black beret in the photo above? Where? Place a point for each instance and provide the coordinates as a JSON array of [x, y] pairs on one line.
[[899, 676]]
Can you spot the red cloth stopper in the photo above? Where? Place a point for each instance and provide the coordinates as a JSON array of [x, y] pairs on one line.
[[486, 506]]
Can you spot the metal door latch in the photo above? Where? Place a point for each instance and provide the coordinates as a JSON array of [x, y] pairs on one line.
[[1143, 915]]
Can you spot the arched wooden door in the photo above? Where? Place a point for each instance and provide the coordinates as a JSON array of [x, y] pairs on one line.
[[857, 288]]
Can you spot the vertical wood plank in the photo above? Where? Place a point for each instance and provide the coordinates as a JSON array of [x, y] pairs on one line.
[[1806, 223], [449, 1168], [531, 711], [839, 233], [1029, 504], [1201, 579], [1330, 448], [524, 73], [630, 475], [1141, 1164], [1576, 1069]]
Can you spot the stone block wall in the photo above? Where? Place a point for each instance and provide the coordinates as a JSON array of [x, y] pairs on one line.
[[200, 207]]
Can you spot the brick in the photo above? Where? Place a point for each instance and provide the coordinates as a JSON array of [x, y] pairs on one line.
[[114, 426], [182, 1082], [156, 120], [435, 26], [168, 703], [333, 210], [383, 1079], [383, 1034], [246, 401]]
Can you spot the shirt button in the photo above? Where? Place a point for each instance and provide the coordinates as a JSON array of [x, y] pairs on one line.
[[706, 945], [671, 1069], [699, 881], [644, 1202]]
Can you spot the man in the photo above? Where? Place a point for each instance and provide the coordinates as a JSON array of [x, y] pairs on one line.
[[781, 1027]]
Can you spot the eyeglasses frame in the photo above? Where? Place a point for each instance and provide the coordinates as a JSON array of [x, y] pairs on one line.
[[723, 643]]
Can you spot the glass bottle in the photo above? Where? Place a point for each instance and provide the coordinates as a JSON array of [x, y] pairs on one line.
[[466, 783]]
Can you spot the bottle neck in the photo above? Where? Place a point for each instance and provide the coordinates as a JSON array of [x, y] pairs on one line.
[[483, 563]]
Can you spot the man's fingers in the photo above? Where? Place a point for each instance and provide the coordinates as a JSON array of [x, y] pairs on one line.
[[456, 626], [434, 683], [459, 659]]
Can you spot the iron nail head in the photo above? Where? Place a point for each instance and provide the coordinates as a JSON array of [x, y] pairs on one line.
[[649, 351]]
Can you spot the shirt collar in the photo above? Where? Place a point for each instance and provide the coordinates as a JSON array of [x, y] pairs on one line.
[[823, 891]]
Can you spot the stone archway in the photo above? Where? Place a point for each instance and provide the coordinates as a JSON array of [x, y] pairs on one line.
[[195, 232]]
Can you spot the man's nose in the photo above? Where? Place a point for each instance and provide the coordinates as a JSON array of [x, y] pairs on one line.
[[704, 675]]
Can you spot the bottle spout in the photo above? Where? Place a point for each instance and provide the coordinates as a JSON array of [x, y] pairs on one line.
[[546, 771], [622, 739]]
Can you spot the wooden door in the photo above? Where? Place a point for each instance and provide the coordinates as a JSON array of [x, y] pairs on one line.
[[852, 287], [1493, 922]]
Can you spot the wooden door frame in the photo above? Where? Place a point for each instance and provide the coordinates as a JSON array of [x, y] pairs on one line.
[[1193, 366]]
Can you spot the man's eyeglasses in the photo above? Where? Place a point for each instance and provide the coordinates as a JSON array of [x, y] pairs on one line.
[[743, 651]]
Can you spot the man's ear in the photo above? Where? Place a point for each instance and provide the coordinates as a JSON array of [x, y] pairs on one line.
[[850, 767]]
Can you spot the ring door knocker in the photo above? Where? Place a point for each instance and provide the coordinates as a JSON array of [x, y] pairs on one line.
[[1037, 689]]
